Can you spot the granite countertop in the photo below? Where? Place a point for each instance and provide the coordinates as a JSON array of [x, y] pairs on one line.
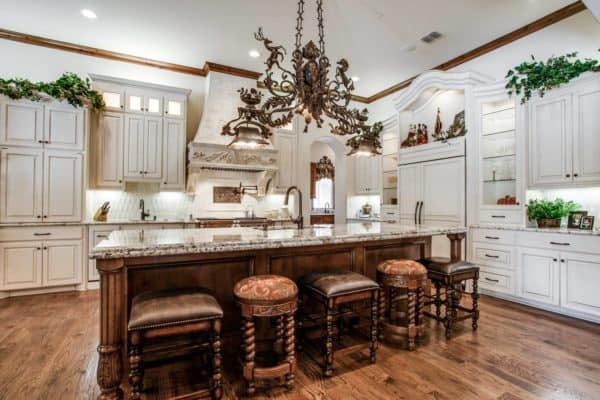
[[565, 231], [186, 241], [92, 222]]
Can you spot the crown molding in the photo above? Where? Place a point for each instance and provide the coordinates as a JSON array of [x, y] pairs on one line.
[[528, 29]]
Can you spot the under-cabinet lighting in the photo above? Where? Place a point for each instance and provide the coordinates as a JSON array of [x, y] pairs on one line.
[[89, 14]]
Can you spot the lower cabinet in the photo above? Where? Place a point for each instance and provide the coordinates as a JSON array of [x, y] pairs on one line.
[[20, 265], [61, 264], [579, 277], [539, 275]]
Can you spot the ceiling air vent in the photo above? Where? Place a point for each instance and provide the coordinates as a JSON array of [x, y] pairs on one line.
[[431, 37]]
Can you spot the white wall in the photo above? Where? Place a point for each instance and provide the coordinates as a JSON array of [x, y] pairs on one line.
[[580, 33]]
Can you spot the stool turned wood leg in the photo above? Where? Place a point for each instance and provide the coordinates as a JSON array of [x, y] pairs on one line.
[[248, 340], [279, 334], [382, 300], [420, 308], [450, 306], [393, 313], [290, 349], [474, 298], [438, 301], [374, 322], [328, 370], [412, 329], [217, 382], [300, 324], [136, 370]]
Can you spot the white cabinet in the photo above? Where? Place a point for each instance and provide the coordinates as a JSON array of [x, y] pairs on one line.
[[286, 141], [143, 148], [109, 150], [21, 176], [175, 105], [563, 136], [20, 265], [409, 183], [143, 102], [538, 272], [21, 122], [579, 277], [62, 187], [368, 175], [173, 155], [61, 263], [64, 127]]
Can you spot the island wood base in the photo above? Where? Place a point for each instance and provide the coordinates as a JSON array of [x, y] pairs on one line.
[[123, 278]]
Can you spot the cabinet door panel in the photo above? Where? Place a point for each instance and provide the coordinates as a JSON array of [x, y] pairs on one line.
[[134, 147], [21, 185], [153, 135], [443, 188], [63, 127], [20, 265], [21, 122], [173, 153], [409, 190], [586, 140], [550, 147], [62, 186], [110, 150], [286, 143], [135, 101], [580, 275], [539, 275], [62, 263], [174, 106]]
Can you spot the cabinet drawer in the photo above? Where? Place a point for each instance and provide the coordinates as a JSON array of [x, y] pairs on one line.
[[502, 217], [490, 255], [494, 236], [560, 242], [496, 280], [40, 233]]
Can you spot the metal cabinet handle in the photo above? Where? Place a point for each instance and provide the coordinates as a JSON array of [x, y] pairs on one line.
[[491, 256], [492, 237], [492, 280], [560, 244], [421, 212], [42, 234], [416, 210], [102, 236], [498, 216]]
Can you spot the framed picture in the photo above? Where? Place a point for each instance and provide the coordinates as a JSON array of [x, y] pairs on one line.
[[587, 223], [575, 219]]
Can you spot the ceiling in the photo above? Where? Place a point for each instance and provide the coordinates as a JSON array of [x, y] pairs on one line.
[[379, 38]]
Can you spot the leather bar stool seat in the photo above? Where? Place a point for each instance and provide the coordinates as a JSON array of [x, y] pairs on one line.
[[450, 275], [334, 289], [401, 278], [174, 312], [274, 297]]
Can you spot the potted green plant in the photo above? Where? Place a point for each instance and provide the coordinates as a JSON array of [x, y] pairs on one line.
[[549, 213]]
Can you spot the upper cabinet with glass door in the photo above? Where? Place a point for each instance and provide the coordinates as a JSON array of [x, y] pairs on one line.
[[499, 147], [144, 102], [390, 141]]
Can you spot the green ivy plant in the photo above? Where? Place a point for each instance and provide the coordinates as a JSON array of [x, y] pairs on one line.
[[540, 76], [370, 135], [69, 87], [550, 209]]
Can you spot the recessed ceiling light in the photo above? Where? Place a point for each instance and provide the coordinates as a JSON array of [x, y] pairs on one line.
[[254, 53], [355, 78], [89, 14]]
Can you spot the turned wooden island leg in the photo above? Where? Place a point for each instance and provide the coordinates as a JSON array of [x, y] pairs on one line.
[[109, 373], [456, 245]]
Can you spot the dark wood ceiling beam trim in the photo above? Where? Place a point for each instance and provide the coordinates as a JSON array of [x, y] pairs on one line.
[[510, 37], [517, 34]]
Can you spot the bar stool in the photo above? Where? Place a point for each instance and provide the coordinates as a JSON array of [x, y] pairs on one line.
[[333, 289], [174, 312], [450, 274], [267, 296], [409, 277]]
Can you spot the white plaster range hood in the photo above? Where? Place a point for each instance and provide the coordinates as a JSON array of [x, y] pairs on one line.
[[209, 157]]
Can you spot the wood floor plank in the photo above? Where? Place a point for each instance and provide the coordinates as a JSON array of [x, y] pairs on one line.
[[48, 351]]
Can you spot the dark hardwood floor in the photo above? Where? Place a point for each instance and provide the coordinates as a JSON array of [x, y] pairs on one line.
[[48, 351]]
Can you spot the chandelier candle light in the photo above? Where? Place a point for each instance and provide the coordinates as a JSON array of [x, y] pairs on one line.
[[308, 91]]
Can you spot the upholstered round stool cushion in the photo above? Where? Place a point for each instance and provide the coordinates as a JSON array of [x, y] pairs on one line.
[[402, 267], [172, 307], [269, 288]]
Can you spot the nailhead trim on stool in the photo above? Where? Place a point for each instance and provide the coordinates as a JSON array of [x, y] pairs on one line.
[[267, 296], [409, 276]]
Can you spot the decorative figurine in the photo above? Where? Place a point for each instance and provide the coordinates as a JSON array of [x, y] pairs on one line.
[[438, 133]]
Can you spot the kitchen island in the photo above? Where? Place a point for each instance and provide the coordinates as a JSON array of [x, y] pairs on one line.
[[132, 262]]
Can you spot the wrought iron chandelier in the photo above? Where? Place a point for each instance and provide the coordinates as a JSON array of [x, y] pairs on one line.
[[305, 90]]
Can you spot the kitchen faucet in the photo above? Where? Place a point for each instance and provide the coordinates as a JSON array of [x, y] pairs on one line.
[[143, 214], [300, 219]]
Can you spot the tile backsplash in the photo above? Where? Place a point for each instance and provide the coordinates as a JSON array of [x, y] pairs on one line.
[[587, 198]]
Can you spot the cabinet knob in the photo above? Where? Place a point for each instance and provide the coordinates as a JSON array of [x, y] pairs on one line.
[[166, 111], [164, 183], [121, 106], [45, 248], [568, 175], [38, 248], [38, 216], [120, 181], [575, 175], [562, 260], [555, 259]]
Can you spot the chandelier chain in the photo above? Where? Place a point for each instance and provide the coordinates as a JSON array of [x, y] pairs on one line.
[[299, 20], [320, 24]]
